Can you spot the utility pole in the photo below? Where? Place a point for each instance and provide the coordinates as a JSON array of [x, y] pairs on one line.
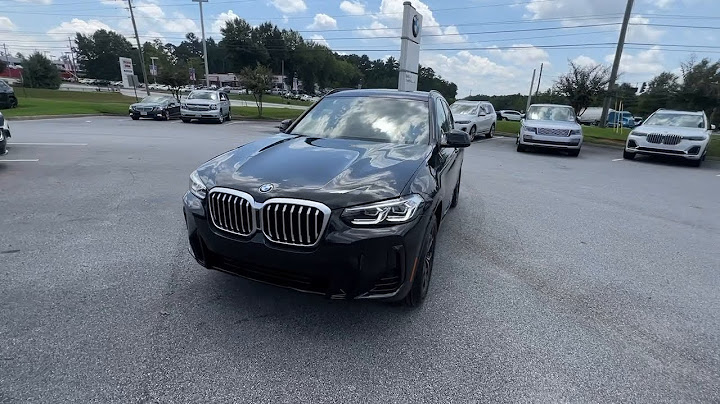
[[282, 74], [539, 78], [616, 63], [140, 52], [532, 84], [202, 27], [7, 58]]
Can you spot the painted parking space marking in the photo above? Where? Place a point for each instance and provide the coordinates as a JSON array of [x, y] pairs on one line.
[[618, 159], [46, 144], [19, 161]]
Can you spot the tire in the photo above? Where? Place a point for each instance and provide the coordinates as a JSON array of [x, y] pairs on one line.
[[473, 133], [13, 102], [134, 118], [628, 156], [229, 115], [505, 119], [456, 193], [491, 132], [574, 153], [697, 163], [221, 119], [185, 120], [520, 148], [423, 274], [166, 115]]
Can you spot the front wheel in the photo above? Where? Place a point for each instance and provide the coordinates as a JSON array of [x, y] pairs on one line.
[[423, 269], [520, 148], [628, 155], [574, 153], [229, 116], [134, 118], [13, 102], [186, 120], [491, 132], [473, 132], [221, 118]]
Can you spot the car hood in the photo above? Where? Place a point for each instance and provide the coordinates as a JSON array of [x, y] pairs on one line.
[[539, 123], [464, 117], [147, 104], [673, 130], [336, 172]]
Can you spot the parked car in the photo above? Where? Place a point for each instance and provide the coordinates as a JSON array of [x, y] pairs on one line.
[[4, 134], [345, 203], [474, 117], [638, 120], [593, 115], [685, 134], [164, 107], [509, 115], [7, 96], [206, 104], [550, 126]]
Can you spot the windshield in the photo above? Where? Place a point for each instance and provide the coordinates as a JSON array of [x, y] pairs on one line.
[[681, 120], [463, 109], [391, 120], [202, 95], [551, 113], [155, 99]]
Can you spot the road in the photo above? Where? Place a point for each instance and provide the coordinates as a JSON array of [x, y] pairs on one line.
[[141, 93], [556, 279]]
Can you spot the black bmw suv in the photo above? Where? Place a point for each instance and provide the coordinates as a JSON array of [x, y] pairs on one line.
[[345, 203]]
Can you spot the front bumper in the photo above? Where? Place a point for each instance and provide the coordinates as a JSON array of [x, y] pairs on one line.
[[688, 149], [557, 142], [146, 114], [348, 262], [465, 127], [190, 114]]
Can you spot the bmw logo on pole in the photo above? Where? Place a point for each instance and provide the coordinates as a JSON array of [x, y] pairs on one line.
[[415, 26]]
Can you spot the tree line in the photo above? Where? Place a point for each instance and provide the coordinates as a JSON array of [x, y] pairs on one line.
[[241, 46], [697, 88]]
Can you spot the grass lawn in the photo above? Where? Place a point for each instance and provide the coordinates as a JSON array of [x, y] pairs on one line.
[[268, 113], [273, 99], [35, 101], [594, 134]]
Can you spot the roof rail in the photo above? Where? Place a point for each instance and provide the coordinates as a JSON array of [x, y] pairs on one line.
[[337, 90]]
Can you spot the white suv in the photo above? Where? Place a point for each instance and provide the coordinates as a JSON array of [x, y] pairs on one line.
[[671, 133], [474, 117], [550, 126]]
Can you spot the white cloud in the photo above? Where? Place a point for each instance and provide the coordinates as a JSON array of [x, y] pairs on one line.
[[378, 29], [7, 24], [638, 31], [352, 7], [43, 2], [323, 21], [289, 6], [222, 19], [477, 73], [647, 62], [156, 19], [583, 60], [523, 54], [660, 3], [77, 25], [572, 8], [320, 40], [391, 11]]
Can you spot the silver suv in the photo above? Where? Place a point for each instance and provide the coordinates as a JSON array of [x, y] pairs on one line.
[[206, 104], [550, 126], [671, 133]]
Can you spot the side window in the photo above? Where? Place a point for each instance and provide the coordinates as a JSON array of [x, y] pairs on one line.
[[223, 97], [449, 121], [441, 118], [489, 109]]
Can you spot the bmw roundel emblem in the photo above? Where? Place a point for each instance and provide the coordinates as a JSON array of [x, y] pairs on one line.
[[266, 188], [415, 26]]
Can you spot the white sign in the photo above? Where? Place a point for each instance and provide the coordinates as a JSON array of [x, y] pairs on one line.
[[410, 48], [126, 68]]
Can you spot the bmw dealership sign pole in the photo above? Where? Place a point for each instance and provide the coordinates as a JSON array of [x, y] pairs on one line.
[[409, 48]]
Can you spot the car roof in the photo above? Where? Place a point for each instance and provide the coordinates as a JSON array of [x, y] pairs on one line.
[[388, 93], [550, 105], [675, 111]]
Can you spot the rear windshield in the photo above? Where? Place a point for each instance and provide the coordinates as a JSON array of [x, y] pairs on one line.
[[391, 120]]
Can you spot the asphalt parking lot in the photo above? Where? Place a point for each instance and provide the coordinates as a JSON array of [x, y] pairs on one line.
[[557, 279]]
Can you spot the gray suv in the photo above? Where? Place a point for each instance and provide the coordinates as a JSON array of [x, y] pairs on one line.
[[206, 105]]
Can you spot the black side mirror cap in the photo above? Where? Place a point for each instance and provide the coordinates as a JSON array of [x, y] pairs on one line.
[[455, 139], [284, 124]]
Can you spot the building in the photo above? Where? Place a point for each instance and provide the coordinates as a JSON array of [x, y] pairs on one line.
[[14, 67]]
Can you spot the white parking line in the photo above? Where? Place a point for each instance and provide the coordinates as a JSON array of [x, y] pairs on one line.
[[618, 159], [47, 144], [19, 161]]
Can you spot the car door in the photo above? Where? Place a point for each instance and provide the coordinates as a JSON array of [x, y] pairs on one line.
[[173, 107], [448, 170], [225, 104], [485, 119]]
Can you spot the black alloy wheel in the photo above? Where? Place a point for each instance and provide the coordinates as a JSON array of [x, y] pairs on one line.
[[628, 155], [491, 132], [473, 132], [423, 269]]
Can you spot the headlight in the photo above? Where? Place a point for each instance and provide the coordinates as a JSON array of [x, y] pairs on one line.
[[633, 133], [213, 106], [576, 132], [697, 138], [395, 211], [530, 129], [197, 187], [462, 122]]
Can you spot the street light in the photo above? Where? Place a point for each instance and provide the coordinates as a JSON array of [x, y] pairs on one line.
[[202, 26]]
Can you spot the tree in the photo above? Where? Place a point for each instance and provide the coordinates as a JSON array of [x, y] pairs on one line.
[[40, 72], [257, 80], [99, 53], [700, 88], [583, 83], [173, 75], [661, 92]]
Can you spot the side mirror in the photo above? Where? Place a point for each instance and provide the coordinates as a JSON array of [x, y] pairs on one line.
[[284, 125], [455, 139], [713, 127]]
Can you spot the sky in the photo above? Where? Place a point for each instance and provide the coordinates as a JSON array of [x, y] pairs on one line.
[[484, 46]]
